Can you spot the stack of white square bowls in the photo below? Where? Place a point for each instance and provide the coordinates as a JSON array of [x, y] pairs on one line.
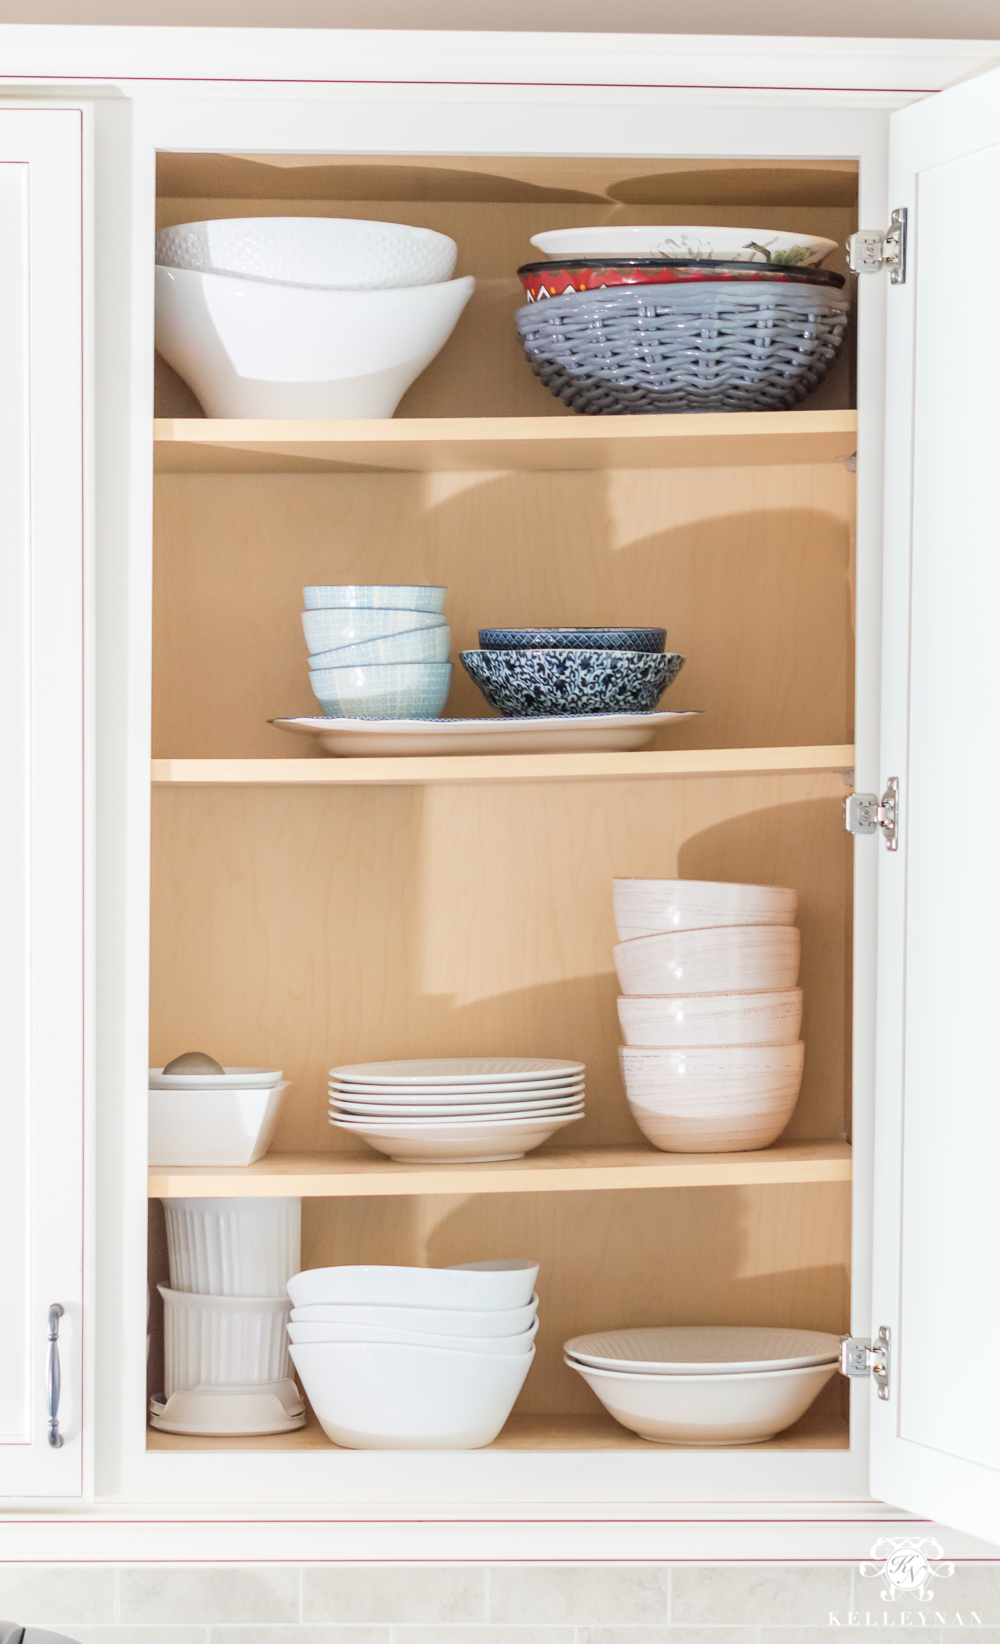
[[226, 1368], [712, 1060], [378, 652], [414, 1358]]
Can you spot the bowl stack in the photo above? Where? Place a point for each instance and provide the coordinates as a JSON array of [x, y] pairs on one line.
[[712, 1060], [460, 1109], [378, 652], [414, 1358], [549, 672], [659, 319], [226, 1368], [304, 316], [705, 1384]]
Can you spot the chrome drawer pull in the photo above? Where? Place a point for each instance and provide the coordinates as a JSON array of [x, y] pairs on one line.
[[52, 1377]]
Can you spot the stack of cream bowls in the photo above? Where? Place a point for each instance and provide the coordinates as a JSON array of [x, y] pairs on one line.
[[226, 1368], [705, 1384], [712, 1060], [414, 1358], [457, 1109], [378, 651]]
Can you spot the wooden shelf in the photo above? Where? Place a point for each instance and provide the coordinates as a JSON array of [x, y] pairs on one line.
[[564, 1170], [557, 767], [491, 444], [821, 1428]]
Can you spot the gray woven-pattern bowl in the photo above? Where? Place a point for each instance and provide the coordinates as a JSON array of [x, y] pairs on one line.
[[707, 347]]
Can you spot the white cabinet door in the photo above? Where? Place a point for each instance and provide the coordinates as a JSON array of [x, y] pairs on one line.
[[42, 839], [936, 1438]]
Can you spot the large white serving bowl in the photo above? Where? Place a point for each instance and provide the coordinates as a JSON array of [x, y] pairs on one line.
[[381, 1397], [222, 1340], [727, 1099], [458, 1141], [251, 349], [703, 1349], [384, 690], [696, 1410], [712, 1018], [376, 599], [444, 1321], [299, 1333], [729, 245], [338, 253], [213, 1127], [643, 907], [420, 645], [233, 1247], [477, 1286], [728, 959]]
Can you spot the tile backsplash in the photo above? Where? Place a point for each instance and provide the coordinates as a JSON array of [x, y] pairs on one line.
[[642, 1603]]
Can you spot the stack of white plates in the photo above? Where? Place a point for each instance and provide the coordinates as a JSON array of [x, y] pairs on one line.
[[459, 1108], [705, 1384]]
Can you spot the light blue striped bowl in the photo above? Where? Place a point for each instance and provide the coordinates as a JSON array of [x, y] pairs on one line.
[[425, 645], [390, 690], [391, 596], [345, 625]]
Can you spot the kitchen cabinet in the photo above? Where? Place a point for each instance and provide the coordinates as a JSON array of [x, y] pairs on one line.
[[300, 912]]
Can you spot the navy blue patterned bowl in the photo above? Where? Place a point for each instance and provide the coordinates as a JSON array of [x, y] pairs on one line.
[[573, 639], [526, 684]]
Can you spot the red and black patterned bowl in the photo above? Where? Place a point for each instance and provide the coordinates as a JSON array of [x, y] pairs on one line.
[[554, 278]]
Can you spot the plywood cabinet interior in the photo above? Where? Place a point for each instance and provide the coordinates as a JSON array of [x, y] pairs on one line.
[[299, 926]]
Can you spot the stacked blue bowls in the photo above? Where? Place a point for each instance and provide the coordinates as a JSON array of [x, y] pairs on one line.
[[543, 672], [378, 652]]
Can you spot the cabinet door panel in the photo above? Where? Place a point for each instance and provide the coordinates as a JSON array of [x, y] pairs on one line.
[[936, 1439], [42, 815]]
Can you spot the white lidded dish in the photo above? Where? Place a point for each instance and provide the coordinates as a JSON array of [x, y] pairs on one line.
[[233, 1247], [703, 1349], [505, 1283]]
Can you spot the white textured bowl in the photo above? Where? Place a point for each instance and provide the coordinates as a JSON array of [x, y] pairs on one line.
[[369, 1397], [729, 245], [644, 907], [726, 1099], [729, 959], [420, 645], [375, 599], [712, 1019], [707, 1410], [444, 1321], [383, 690], [213, 1127], [218, 1340], [302, 1333], [250, 349], [473, 1286], [338, 253], [457, 1141], [233, 1247]]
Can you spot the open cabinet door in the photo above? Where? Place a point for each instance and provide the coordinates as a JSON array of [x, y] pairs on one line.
[[936, 1436], [42, 842]]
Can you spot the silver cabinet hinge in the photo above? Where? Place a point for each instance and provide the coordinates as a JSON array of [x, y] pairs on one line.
[[870, 249], [859, 1358], [866, 813]]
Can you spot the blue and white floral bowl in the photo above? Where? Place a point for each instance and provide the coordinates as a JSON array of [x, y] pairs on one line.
[[527, 684], [393, 690], [573, 639]]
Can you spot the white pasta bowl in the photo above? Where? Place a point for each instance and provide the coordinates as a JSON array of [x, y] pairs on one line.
[[703, 1349], [248, 348], [338, 253], [456, 1141], [474, 1286], [730, 245], [745, 1408], [727, 959], [213, 1127], [521, 1343], [444, 1321], [390, 1397], [726, 1099], [421, 645], [233, 1247], [712, 1019], [644, 907]]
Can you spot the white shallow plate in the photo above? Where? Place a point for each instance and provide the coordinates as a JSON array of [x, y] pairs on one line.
[[458, 1070], [403, 1095], [473, 1110], [231, 1078], [566, 733], [740, 245], [703, 1349], [459, 1142]]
